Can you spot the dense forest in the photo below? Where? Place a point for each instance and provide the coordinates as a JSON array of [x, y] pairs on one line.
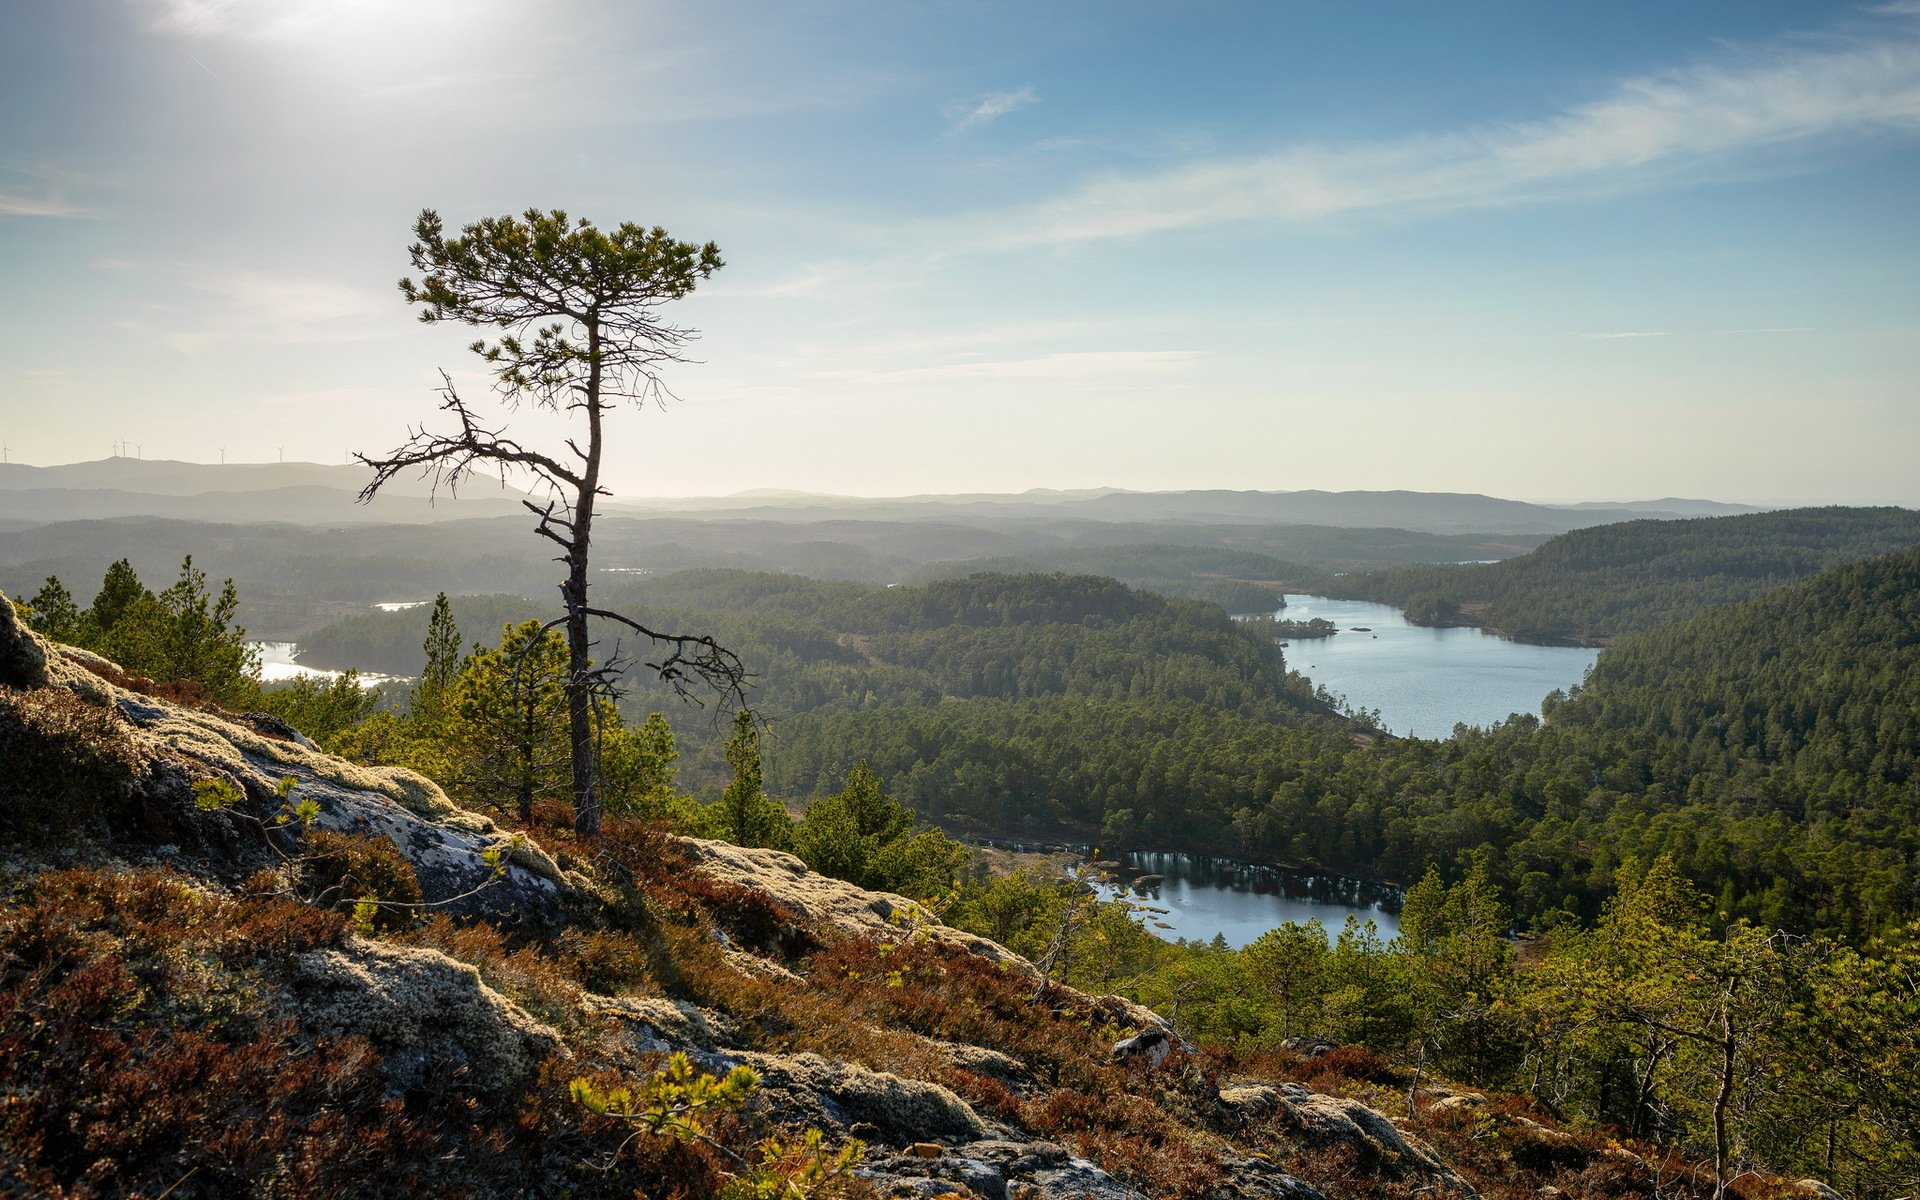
[[815, 646], [1594, 584], [1239, 581], [1767, 746]]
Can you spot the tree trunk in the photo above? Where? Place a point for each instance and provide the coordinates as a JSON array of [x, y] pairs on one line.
[[1729, 1054], [586, 802]]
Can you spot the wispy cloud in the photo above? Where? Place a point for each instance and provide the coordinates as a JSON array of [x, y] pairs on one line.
[[261, 307], [206, 18], [1660, 333], [1065, 365], [19, 204], [977, 111], [48, 194], [1793, 94]]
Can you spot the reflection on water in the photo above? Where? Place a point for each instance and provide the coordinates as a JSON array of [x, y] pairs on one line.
[[1240, 901], [1425, 681], [277, 665]]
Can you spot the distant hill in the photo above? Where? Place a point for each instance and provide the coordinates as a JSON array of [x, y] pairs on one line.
[[1424, 512], [296, 576], [296, 492], [1239, 581], [1595, 584], [324, 494]]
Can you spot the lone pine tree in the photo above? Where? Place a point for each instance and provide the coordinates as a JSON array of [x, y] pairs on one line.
[[578, 308]]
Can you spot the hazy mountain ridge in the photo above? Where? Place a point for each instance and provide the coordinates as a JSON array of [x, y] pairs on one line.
[[295, 577], [302, 492]]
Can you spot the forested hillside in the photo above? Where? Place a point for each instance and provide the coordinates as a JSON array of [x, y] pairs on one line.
[[1594, 584], [1239, 581], [818, 649], [1768, 746]]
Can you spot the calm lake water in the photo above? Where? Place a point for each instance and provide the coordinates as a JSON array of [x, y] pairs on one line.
[[277, 665], [1424, 681], [1241, 901]]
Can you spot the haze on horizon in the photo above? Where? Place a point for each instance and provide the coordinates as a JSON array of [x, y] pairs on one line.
[[1596, 252]]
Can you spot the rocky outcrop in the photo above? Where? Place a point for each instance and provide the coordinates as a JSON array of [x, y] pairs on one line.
[[840, 906], [995, 1169], [841, 1095], [430, 1015], [466, 865], [23, 656], [1324, 1120], [831, 903]]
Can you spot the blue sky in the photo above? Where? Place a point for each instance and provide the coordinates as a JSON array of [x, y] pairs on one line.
[[1547, 251]]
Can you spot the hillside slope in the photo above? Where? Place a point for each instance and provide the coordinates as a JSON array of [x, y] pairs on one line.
[[186, 1010], [1592, 585]]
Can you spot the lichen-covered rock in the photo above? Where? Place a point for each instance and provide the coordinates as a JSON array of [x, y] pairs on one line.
[[1005, 1169], [833, 903], [846, 908], [1150, 1046], [429, 1014], [23, 655], [1332, 1119], [840, 1095], [982, 1061], [465, 864], [655, 1023]]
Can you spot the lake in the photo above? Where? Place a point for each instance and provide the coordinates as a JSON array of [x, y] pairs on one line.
[[1425, 681], [1240, 901], [278, 665]]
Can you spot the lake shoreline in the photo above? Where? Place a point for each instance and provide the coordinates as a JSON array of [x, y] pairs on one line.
[[1425, 680]]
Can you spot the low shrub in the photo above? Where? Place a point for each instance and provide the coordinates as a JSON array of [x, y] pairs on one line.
[[69, 766], [342, 871]]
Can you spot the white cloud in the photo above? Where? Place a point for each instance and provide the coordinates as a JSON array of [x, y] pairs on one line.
[[963, 115], [1793, 94], [261, 307], [18, 204], [47, 194], [207, 18], [1065, 365]]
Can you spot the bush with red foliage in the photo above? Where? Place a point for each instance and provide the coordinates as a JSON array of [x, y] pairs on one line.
[[1345, 1064], [129, 1066], [68, 764]]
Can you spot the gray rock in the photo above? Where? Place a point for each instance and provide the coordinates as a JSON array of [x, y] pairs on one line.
[[818, 1091], [429, 1014], [998, 1169], [982, 1061], [447, 846], [1151, 1046], [1389, 1149], [23, 656], [1309, 1047]]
